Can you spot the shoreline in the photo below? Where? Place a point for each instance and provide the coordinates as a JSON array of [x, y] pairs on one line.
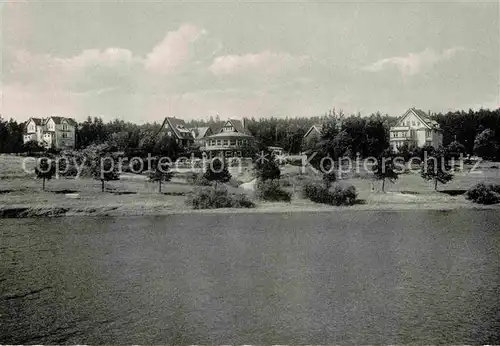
[[26, 211]]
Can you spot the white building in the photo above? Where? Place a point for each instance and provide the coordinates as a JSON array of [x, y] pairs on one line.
[[52, 132], [415, 127]]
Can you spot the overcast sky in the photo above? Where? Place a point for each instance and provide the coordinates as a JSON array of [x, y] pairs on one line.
[[142, 61]]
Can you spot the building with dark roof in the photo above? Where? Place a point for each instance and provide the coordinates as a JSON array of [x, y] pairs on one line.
[[176, 128]]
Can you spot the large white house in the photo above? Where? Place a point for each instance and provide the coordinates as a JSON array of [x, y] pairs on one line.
[[52, 132], [416, 128]]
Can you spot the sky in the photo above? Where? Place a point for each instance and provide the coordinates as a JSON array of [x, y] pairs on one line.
[[143, 61]]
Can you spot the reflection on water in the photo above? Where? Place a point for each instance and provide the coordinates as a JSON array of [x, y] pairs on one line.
[[357, 277]]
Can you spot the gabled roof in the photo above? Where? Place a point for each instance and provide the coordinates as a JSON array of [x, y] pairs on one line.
[[200, 132], [236, 124], [420, 114], [315, 127], [37, 121], [58, 120], [178, 126]]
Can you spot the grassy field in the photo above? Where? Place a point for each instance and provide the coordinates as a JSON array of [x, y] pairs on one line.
[[134, 195]]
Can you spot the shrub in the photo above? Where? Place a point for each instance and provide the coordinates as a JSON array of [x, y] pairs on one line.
[[197, 179], [32, 147], [286, 182], [217, 197], [484, 193], [270, 190], [337, 195]]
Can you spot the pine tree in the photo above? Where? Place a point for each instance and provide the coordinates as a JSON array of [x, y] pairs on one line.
[[218, 171], [267, 167]]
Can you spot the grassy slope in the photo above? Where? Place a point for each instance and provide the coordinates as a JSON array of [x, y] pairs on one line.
[[133, 195]]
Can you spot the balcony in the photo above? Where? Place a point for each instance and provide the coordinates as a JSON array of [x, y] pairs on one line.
[[225, 147]]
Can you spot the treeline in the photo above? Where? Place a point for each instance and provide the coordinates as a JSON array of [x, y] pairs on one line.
[[353, 136], [11, 136], [472, 129], [472, 132]]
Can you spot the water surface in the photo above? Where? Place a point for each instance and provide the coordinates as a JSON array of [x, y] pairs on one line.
[[357, 277]]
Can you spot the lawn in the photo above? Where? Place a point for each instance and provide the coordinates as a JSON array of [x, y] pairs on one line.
[[135, 195]]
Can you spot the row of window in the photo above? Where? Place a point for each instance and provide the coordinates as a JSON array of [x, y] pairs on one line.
[[402, 134], [413, 123], [226, 142], [399, 144]]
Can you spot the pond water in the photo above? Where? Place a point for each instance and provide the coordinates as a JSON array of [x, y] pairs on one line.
[[318, 278]]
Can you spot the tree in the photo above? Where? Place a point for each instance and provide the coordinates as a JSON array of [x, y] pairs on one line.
[[384, 168], [104, 169], [377, 136], [485, 145], [266, 166], [168, 147], [45, 170], [32, 147], [160, 172], [217, 171], [147, 142], [455, 149], [436, 167]]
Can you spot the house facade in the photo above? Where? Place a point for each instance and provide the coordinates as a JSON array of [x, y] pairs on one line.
[[415, 127], [53, 132], [230, 140], [176, 128]]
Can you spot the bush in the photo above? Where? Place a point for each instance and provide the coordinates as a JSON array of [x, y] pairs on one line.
[[197, 179], [336, 195], [217, 197], [484, 193], [270, 190], [32, 147]]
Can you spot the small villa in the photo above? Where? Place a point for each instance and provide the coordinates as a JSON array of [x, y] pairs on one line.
[[52, 132], [231, 140], [415, 127]]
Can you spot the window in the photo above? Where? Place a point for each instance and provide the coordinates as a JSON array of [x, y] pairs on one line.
[[428, 133], [238, 153], [245, 142], [412, 123], [233, 142], [418, 123], [239, 142], [229, 153], [218, 142], [225, 142], [65, 127]]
